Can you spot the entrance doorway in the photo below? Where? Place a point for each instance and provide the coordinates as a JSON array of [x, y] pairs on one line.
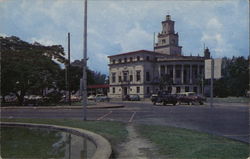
[[125, 91]]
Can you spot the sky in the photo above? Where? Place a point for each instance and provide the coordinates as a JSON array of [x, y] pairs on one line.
[[118, 26]]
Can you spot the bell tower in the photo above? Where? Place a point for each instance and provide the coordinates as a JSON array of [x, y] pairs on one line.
[[168, 40]]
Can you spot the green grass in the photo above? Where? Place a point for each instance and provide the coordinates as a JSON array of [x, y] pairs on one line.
[[115, 132], [230, 100], [26, 143], [176, 143]]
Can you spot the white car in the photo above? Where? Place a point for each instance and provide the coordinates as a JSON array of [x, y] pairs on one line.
[[91, 97]]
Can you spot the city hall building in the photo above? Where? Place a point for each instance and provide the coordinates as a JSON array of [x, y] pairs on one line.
[[145, 72]]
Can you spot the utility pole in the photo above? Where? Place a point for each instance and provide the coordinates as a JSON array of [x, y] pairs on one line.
[[212, 83], [84, 73], [68, 70]]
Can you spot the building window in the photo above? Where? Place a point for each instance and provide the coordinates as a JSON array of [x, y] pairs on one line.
[[147, 76], [138, 58], [186, 89], [131, 59], [113, 77], [125, 59], [147, 58], [169, 89], [178, 89], [137, 89], [113, 89], [163, 41], [148, 90], [125, 76], [138, 75], [131, 78], [195, 89], [178, 73], [113, 61], [120, 78]]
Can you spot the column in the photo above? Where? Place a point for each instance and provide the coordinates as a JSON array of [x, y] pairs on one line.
[[166, 69], [199, 79], [159, 69], [182, 74], [174, 74], [191, 74]]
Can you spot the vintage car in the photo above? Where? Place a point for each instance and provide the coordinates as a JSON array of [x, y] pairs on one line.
[[190, 98], [164, 97], [101, 98]]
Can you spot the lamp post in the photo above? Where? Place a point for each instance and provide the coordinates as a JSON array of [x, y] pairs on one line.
[[84, 73]]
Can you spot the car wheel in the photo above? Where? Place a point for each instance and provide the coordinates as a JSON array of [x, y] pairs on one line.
[[201, 103]]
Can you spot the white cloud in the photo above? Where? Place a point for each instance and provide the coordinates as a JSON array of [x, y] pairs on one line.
[[135, 39], [222, 25], [213, 23]]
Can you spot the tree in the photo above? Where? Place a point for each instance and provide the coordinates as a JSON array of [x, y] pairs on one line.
[[28, 67], [235, 78]]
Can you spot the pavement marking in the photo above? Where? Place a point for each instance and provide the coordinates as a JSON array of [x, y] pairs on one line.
[[100, 118], [131, 118]]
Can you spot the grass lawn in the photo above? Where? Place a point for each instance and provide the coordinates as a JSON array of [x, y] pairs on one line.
[[115, 132], [173, 143], [176, 143]]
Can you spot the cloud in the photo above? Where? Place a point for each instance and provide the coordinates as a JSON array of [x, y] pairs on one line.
[[135, 39], [121, 26]]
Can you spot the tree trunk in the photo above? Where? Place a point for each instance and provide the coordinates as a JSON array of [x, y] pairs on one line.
[[20, 97]]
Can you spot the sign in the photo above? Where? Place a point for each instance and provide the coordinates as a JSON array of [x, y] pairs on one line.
[[217, 68]]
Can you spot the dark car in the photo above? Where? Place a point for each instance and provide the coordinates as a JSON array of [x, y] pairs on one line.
[[190, 98], [132, 97], [102, 98], [164, 97]]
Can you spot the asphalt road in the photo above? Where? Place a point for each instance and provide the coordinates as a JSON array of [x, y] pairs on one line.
[[230, 120]]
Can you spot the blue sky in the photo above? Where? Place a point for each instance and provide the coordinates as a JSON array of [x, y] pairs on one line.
[[116, 26]]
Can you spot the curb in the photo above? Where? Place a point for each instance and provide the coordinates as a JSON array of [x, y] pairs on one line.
[[64, 107], [103, 147]]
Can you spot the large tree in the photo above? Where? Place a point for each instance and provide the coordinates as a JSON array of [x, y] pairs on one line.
[[235, 78], [27, 67]]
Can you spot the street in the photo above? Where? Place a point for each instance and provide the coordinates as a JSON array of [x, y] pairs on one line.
[[223, 119]]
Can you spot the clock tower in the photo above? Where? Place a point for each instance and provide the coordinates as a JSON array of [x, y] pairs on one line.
[[168, 40]]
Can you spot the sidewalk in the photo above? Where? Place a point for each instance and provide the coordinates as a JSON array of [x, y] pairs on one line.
[[96, 106]]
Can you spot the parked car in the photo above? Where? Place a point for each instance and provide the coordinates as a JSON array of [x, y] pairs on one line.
[[153, 97], [132, 97], [190, 98], [165, 98], [102, 98], [91, 97]]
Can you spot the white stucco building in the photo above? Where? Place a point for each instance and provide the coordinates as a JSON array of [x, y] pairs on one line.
[[145, 72]]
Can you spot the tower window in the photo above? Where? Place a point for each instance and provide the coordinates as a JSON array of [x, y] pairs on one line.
[[137, 89], [113, 61], [138, 75], [163, 41], [147, 76], [113, 77]]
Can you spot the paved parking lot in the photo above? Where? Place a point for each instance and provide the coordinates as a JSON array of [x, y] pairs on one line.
[[230, 120]]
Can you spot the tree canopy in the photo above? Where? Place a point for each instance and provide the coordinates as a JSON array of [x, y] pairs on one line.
[[28, 67]]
